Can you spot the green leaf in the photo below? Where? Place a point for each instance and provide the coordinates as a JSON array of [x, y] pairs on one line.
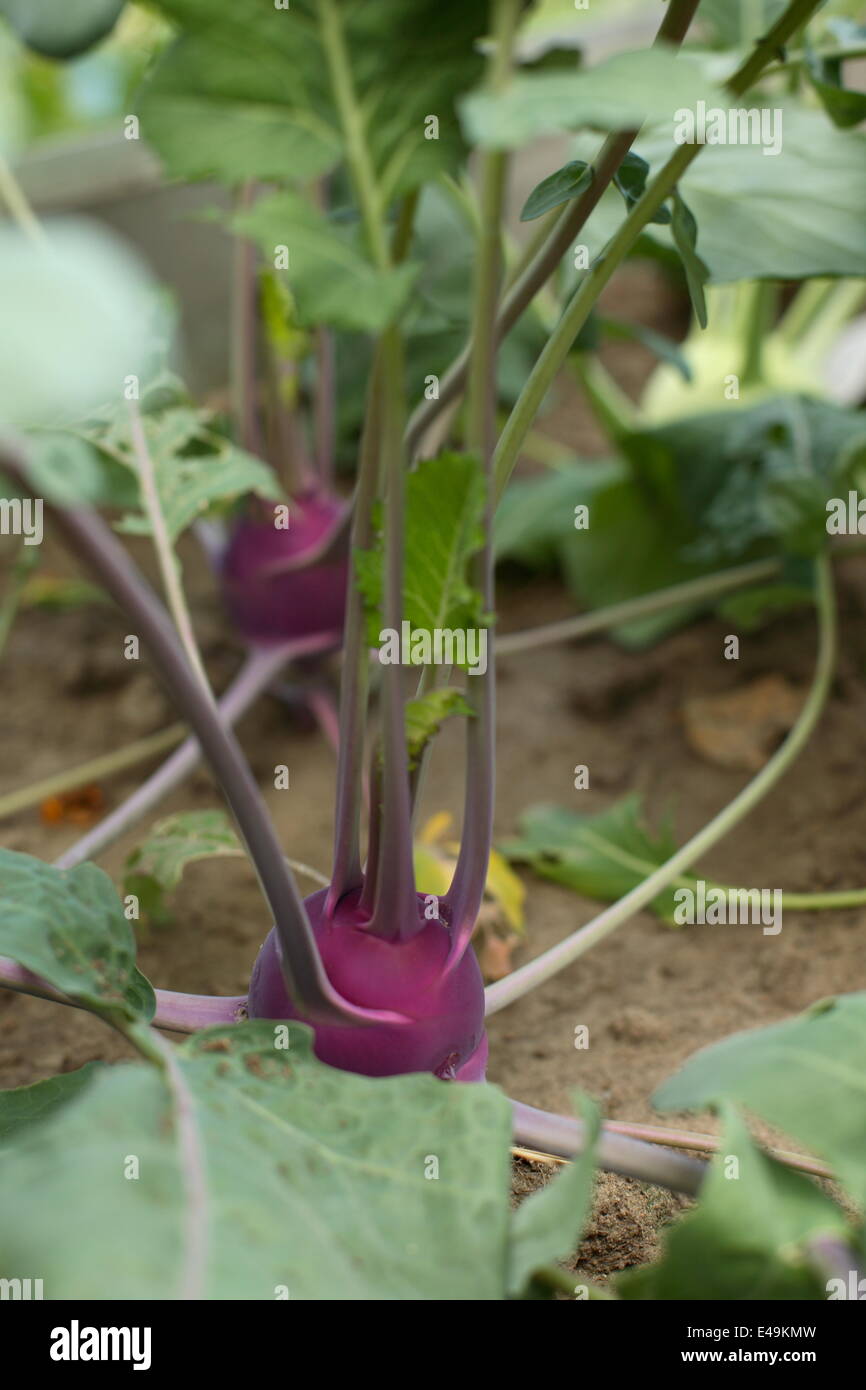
[[156, 866], [443, 515], [666, 349], [75, 322], [536, 514], [214, 108], [26, 1106], [846, 108], [331, 278], [684, 230], [623, 91], [246, 91], [426, 715], [636, 542], [190, 485], [630, 178], [315, 1181], [600, 856], [68, 926], [755, 221], [748, 1237], [547, 1226], [764, 477], [804, 1075], [567, 183], [61, 31]]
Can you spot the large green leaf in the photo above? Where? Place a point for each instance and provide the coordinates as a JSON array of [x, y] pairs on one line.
[[444, 508], [331, 278], [601, 856], [68, 926], [246, 93], [547, 1226], [804, 1075], [61, 30], [748, 1237], [76, 316], [623, 91], [790, 216], [315, 1182]]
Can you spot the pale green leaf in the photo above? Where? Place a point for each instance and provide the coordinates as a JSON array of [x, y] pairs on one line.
[[76, 316], [317, 1182]]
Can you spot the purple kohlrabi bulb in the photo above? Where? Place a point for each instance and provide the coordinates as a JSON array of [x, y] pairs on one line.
[[446, 1033]]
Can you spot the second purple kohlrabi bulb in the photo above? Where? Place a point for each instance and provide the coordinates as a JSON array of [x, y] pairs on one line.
[[270, 605]]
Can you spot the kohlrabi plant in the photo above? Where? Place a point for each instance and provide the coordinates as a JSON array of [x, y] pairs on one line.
[[293, 1146]]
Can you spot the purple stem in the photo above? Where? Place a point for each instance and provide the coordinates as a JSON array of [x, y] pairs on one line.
[[559, 1134], [306, 981], [395, 914], [325, 407], [255, 675], [177, 1013], [347, 875]]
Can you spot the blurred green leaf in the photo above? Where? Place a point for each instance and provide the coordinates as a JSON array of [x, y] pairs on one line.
[[62, 30], [626, 90], [803, 1075], [748, 1237], [331, 277], [155, 867], [68, 927], [76, 322]]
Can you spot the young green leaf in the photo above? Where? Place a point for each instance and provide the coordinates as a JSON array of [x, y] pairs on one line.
[[68, 927], [804, 1075], [156, 866], [426, 715], [316, 1183], [331, 277], [601, 856], [444, 508], [630, 178], [547, 1225], [567, 183], [684, 230], [748, 1237]]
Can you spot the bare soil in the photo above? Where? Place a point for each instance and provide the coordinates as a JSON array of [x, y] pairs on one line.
[[650, 995]]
